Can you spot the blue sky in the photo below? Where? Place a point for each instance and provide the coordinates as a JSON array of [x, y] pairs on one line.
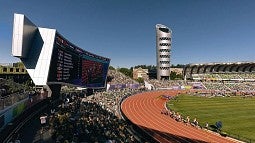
[[124, 30]]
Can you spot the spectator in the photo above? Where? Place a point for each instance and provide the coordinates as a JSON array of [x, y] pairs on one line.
[[206, 125], [43, 120]]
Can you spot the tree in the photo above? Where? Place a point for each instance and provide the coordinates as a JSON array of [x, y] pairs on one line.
[[150, 67], [172, 75], [140, 80], [126, 72], [177, 66], [142, 66], [111, 68], [175, 76], [131, 70]]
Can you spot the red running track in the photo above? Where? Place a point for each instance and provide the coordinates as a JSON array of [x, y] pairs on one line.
[[144, 110]]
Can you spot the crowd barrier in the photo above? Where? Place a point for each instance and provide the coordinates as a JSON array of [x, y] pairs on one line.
[[12, 99], [14, 109], [123, 86]]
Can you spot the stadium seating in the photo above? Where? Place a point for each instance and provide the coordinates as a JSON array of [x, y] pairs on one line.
[[96, 118]]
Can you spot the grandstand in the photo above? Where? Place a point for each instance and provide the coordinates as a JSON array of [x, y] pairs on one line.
[[237, 77], [118, 80], [239, 71]]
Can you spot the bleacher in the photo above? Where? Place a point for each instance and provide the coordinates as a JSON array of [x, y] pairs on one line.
[[119, 77], [119, 81], [166, 84], [224, 77], [248, 76]]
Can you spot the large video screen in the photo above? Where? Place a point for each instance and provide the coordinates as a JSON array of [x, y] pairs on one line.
[[72, 65]]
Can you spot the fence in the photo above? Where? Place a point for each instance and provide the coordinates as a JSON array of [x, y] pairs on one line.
[[11, 99]]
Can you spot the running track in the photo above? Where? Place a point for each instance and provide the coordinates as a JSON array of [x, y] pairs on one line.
[[144, 110]]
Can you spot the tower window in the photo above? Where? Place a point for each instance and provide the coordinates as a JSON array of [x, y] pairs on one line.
[[164, 56], [164, 68], [164, 50], [164, 62], [164, 44], [165, 38], [164, 30]]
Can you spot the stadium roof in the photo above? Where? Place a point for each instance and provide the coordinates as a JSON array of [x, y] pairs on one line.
[[221, 63], [231, 67]]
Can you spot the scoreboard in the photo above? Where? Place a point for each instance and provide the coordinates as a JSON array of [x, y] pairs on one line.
[[73, 65]]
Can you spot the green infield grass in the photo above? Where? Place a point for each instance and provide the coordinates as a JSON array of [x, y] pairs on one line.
[[237, 114]]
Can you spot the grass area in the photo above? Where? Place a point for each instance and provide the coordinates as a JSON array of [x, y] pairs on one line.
[[237, 114]]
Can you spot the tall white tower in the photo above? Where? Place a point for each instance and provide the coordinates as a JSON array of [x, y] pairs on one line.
[[163, 48]]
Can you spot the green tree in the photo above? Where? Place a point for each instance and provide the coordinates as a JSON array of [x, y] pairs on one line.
[[172, 75], [175, 76], [150, 67], [140, 80], [111, 68], [177, 66], [126, 72], [179, 76]]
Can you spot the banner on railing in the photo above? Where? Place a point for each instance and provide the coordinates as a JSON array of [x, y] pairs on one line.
[[122, 86]]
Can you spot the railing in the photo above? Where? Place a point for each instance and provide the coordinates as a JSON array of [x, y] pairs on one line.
[[11, 99], [12, 130]]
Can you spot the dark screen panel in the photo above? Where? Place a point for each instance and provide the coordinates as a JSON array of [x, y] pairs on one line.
[[72, 65]]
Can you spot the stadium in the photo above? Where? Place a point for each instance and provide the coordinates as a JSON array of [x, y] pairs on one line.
[[240, 71], [76, 96]]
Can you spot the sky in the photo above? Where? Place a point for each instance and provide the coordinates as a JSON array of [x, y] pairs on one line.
[[124, 30]]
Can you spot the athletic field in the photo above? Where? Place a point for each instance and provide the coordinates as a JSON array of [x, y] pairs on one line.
[[237, 114]]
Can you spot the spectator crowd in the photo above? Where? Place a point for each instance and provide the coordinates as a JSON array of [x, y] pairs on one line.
[[94, 118], [90, 119], [97, 118]]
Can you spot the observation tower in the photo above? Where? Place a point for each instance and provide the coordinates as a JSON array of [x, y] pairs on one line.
[[163, 51]]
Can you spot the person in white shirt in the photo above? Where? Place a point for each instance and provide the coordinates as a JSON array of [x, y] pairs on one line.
[[43, 120]]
